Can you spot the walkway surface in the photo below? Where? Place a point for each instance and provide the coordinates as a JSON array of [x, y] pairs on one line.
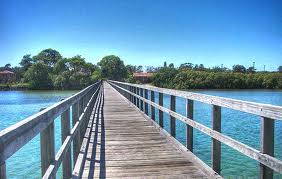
[[124, 144]]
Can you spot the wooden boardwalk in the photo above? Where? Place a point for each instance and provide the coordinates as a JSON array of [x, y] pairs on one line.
[[124, 144]]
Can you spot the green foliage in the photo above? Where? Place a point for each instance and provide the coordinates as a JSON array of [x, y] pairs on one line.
[[48, 56], [239, 68], [26, 62], [164, 78], [38, 76], [225, 80], [112, 67]]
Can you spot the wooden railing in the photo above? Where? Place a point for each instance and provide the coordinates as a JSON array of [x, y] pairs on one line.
[[16, 136], [138, 95]]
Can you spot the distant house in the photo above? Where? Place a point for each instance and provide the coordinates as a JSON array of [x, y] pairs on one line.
[[143, 77], [7, 76]]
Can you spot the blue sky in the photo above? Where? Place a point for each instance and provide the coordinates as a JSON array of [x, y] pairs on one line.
[[146, 32]]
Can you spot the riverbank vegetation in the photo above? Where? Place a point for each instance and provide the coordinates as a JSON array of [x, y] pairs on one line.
[[50, 70]]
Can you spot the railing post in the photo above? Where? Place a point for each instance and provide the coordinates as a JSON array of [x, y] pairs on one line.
[[47, 147], [3, 174], [152, 107], [76, 140], [267, 145], [216, 145], [141, 101], [134, 98], [137, 92], [146, 104], [65, 128], [189, 129], [131, 97], [172, 119], [161, 114], [82, 120]]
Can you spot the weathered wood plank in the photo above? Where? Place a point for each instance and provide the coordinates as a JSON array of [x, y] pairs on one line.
[[189, 129], [3, 174], [265, 159], [47, 147], [267, 145], [216, 146], [129, 146], [65, 131]]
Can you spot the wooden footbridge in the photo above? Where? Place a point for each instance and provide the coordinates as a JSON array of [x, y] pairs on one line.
[[112, 135]]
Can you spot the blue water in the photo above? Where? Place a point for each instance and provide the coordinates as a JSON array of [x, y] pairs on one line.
[[17, 105]]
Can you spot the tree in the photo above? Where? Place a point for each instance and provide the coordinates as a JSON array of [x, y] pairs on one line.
[[251, 70], [188, 66], [112, 67], [239, 68], [38, 76], [7, 66], [26, 62], [165, 65], [48, 56], [280, 69], [171, 65]]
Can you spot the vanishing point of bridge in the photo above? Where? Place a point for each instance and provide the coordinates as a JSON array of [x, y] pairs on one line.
[[108, 132]]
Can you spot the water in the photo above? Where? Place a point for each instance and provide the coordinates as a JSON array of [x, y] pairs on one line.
[[16, 105]]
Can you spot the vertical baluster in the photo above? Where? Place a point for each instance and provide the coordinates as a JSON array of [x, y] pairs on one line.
[[81, 126], [152, 107], [65, 128], [146, 104], [141, 101], [134, 98], [172, 119], [189, 129], [47, 147], [76, 140], [267, 145], [216, 145], [3, 174], [137, 92], [161, 114], [131, 97]]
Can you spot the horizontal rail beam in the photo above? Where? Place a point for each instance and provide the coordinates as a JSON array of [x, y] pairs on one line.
[[16, 136], [264, 159], [264, 110], [52, 169]]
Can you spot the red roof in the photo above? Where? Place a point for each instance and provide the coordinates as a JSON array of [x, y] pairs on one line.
[[6, 72], [142, 74]]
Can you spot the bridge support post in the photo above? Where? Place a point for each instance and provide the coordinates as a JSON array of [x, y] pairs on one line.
[[267, 145], [47, 147], [216, 145], [65, 128], [189, 129], [161, 114], [76, 140], [152, 107], [146, 104], [134, 97], [141, 101], [137, 92], [172, 119], [3, 171]]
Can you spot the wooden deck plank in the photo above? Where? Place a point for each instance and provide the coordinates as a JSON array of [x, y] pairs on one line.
[[123, 144]]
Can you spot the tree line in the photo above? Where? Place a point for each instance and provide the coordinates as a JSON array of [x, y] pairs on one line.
[[190, 76], [50, 70]]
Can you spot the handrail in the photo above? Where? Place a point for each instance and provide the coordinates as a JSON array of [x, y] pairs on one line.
[[264, 157], [16, 136], [260, 109]]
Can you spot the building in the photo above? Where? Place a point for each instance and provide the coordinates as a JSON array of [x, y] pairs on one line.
[[7, 76], [143, 77]]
